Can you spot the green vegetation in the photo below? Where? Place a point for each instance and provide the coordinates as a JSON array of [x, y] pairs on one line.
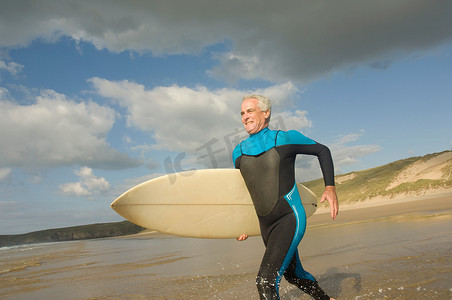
[[374, 182], [83, 232]]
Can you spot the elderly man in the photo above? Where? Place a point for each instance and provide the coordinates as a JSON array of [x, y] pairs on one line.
[[266, 160]]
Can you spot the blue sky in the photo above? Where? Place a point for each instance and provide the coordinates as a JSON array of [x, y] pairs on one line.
[[98, 96]]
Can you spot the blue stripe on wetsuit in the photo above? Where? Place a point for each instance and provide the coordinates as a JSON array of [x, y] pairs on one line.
[[294, 200]]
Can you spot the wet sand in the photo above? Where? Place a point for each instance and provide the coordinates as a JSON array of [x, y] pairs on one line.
[[397, 251]]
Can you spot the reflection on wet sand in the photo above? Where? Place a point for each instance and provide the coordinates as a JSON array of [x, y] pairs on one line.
[[393, 252]]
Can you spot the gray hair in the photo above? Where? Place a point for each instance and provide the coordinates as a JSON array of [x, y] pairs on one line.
[[263, 102]]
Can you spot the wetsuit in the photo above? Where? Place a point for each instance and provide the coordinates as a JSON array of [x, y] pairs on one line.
[[267, 163]]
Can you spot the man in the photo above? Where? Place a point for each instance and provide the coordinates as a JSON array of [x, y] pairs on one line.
[[266, 160]]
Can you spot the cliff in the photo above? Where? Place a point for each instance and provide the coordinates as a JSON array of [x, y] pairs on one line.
[[83, 232]]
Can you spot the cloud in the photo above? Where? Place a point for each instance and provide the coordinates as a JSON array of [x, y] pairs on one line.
[[296, 120], [56, 131], [305, 41], [348, 155], [11, 67], [88, 185], [343, 154], [7, 207], [4, 173], [295, 40], [183, 119]]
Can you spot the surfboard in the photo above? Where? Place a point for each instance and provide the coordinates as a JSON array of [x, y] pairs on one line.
[[210, 203]]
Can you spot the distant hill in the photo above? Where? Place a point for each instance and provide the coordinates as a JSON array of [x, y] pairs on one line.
[[411, 176], [407, 177], [83, 232]]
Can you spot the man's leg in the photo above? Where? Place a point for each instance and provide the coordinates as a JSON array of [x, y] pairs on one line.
[[296, 275]]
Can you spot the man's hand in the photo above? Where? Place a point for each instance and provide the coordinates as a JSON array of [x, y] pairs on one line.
[[330, 195], [242, 237]]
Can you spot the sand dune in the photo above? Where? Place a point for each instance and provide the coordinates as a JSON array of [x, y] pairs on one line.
[[434, 168]]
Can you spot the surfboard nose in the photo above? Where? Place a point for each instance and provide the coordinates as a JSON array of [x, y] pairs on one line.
[[114, 204]]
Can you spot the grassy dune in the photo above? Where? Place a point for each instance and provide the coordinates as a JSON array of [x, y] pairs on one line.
[[411, 176]]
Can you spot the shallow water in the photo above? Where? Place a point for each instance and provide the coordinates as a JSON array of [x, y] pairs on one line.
[[405, 256]]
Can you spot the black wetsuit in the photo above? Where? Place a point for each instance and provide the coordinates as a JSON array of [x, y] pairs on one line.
[[267, 163]]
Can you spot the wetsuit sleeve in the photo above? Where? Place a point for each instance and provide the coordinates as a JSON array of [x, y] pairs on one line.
[[295, 142], [323, 154]]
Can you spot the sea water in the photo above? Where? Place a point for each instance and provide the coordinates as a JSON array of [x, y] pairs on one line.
[[406, 256]]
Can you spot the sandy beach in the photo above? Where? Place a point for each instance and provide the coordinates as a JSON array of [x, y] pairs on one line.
[[390, 251]]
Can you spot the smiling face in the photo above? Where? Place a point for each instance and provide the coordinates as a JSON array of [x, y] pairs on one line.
[[253, 118]]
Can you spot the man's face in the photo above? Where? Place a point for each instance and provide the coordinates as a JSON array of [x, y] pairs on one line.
[[253, 118]]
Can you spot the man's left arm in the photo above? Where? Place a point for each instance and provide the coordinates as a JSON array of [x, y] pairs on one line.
[[327, 167], [308, 146]]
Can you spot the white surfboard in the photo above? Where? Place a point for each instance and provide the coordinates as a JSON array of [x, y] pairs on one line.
[[211, 203]]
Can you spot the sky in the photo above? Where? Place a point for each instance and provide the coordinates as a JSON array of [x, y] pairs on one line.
[[99, 96]]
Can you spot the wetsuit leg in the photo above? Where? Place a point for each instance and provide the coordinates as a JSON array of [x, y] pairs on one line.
[[276, 244], [296, 275], [282, 231]]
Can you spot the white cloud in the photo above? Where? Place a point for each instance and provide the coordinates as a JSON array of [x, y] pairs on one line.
[[296, 120], [186, 119], [4, 173], [343, 154], [74, 189], [297, 40], [348, 138], [88, 185], [11, 67], [348, 155], [56, 131]]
